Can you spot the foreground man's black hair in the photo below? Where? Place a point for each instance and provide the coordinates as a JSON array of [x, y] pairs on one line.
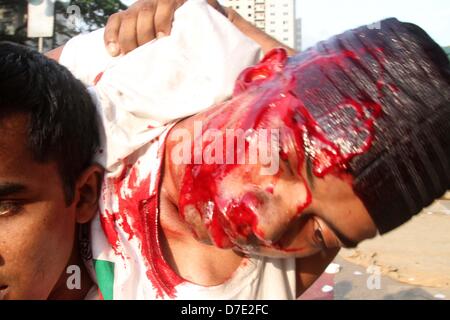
[[62, 116]]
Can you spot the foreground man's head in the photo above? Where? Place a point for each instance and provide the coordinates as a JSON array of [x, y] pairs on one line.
[[361, 123], [48, 135]]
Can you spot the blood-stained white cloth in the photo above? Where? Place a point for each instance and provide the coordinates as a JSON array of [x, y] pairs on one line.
[[128, 257], [140, 97], [136, 91]]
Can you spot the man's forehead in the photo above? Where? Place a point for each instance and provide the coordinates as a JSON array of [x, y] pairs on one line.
[[17, 163], [13, 124], [13, 135]]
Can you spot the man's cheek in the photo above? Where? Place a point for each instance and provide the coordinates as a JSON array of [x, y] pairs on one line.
[[42, 264], [42, 248], [281, 208], [21, 266]]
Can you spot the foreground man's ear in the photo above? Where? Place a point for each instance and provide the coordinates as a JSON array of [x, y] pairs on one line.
[[87, 193]]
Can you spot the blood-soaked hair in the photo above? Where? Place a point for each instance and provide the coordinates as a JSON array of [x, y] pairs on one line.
[[400, 69]]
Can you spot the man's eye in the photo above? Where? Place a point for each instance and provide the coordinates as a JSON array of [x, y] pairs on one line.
[[9, 208], [318, 236]]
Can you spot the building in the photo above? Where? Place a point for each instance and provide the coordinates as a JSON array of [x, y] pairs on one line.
[[298, 34], [447, 51], [275, 17]]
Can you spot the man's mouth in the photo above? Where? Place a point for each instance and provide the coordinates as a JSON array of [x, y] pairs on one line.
[[3, 291]]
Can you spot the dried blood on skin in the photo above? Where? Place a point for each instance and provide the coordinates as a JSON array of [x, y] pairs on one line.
[[98, 78], [241, 217], [263, 94]]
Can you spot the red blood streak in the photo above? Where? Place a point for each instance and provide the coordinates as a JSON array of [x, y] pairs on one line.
[[137, 216], [241, 216], [108, 225], [269, 189], [98, 78]]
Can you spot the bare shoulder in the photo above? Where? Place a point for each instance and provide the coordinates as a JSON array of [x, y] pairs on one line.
[[55, 54]]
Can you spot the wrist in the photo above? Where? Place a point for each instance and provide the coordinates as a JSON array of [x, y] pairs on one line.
[[231, 14]]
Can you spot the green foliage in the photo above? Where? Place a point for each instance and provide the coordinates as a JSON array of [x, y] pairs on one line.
[[93, 14]]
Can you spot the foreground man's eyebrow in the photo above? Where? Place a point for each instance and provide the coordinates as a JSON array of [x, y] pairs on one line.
[[8, 189]]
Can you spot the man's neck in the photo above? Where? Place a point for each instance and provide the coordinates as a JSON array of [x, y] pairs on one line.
[[198, 262], [61, 290]]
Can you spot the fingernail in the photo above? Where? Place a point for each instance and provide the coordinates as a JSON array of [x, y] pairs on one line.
[[113, 49], [160, 35]]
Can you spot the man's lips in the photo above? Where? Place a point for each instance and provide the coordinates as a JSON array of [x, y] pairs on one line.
[[3, 291]]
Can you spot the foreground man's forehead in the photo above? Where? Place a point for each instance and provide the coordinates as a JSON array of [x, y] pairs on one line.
[[11, 188], [15, 156]]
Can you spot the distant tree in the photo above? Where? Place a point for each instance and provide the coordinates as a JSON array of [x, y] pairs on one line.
[[13, 24], [93, 15]]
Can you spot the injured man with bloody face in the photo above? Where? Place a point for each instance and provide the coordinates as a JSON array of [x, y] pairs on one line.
[[252, 198], [320, 150]]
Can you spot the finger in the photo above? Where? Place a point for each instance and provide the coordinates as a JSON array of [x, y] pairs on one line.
[[145, 23], [164, 16], [127, 33], [231, 14], [111, 35], [216, 5]]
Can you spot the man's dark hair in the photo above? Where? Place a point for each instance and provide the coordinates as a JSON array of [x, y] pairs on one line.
[[62, 116], [396, 78]]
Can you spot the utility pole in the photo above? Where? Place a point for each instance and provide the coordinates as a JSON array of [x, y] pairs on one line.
[[41, 20]]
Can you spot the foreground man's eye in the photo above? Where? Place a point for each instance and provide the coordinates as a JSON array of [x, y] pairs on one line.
[[319, 238], [9, 208]]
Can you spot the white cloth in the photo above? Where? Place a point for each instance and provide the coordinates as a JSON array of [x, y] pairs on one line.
[[140, 95], [134, 253], [136, 91]]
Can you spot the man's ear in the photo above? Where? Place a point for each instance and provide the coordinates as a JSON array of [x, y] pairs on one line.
[[272, 64], [87, 193]]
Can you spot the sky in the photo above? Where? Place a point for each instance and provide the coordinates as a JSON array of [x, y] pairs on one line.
[[322, 19]]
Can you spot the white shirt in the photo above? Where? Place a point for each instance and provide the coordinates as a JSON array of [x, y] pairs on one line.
[[139, 97]]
